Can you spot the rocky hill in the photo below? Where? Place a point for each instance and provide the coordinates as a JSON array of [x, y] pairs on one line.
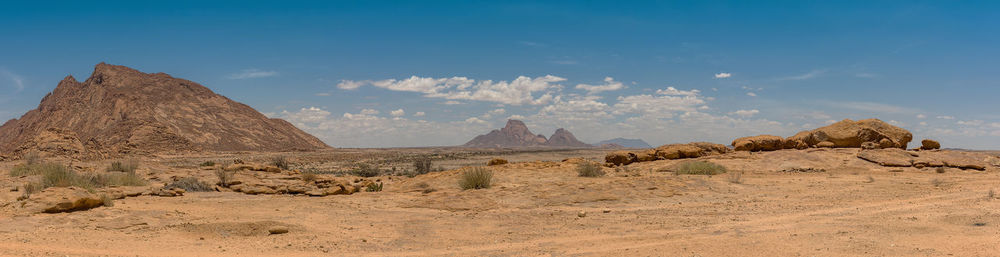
[[516, 134], [119, 110], [625, 142]]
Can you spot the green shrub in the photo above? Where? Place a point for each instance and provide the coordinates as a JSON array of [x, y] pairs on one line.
[[422, 165], [700, 168], [190, 184], [365, 170], [589, 169], [372, 187], [124, 166], [280, 162], [476, 178]]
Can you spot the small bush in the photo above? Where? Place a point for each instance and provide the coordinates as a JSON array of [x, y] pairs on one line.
[[118, 179], [476, 178], [207, 164], [700, 168], [190, 184], [224, 177], [280, 162], [308, 176], [372, 187], [124, 166], [55, 175], [589, 169], [422, 165], [107, 201], [32, 158], [365, 170], [736, 177]]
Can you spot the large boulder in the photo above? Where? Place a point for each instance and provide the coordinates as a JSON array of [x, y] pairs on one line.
[[759, 143], [849, 133], [62, 199], [928, 144], [620, 158]]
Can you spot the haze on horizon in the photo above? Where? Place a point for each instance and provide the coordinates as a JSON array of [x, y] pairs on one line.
[[385, 74]]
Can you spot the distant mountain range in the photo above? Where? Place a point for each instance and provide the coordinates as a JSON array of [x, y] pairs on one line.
[[625, 142], [517, 134]]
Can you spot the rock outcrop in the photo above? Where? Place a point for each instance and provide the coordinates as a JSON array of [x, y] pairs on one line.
[[563, 138], [62, 199], [666, 152], [119, 110], [893, 157], [848, 133], [759, 143], [928, 144]]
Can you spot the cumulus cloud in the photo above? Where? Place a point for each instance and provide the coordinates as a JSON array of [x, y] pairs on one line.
[[452, 103], [252, 74], [609, 85], [351, 85], [745, 113], [367, 129], [397, 113], [369, 112], [663, 105], [946, 117], [520, 91], [751, 94], [419, 114], [921, 116], [723, 75]]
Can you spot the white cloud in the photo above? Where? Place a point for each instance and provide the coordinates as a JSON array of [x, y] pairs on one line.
[[520, 91], [350, 84], [323, 94], [452, 103], [751, 94], [921, 116], [369, 112], [663, 105], [809, 75], [419, 114], [946, 117], [609, 85], [475, 120], [252, 74], [745, 113], [397, 113], [723, 75], [15, 79], [970, 122]]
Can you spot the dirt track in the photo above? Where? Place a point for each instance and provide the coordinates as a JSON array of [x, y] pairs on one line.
[[853, 208]]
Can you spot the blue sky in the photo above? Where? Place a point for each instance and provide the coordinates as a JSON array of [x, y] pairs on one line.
[[377, 74]]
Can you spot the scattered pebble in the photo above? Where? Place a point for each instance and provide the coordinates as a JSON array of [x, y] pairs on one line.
[[277, 230], [582, 214], [607, 210]]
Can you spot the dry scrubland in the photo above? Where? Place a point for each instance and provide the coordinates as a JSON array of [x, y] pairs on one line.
[[814, 202]]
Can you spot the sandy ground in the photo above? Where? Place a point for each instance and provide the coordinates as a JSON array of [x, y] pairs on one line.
[[853, 208]]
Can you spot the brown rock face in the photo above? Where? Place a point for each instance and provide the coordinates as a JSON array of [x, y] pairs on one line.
[[928, 144], [119, 110], [62, 199], [515, 134], [848, 133], [666, 152], [563, 138], [759, 143]]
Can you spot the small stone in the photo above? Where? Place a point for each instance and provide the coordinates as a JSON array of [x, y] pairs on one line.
[[607, 210], [277, 230], [582, 214]]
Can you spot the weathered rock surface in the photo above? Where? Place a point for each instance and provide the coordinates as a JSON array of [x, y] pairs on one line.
[[759, 143], [120, 111], [62, 199], [848, 133], [290, 182], [888, 157], [666, 152], [496, 161], [928, 144], [893, 157]]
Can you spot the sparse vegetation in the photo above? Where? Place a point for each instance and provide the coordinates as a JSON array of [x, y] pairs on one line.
[[589, 169], [129, 165], [224, 177], [32, 158], [735, 177], [190, 184], [374, 187], [308, 176], [422, 165], [58, 175], [107, 201], [365, 170], [118, 179], [476, 178], [280, 162], [207, 164], [700, 168]]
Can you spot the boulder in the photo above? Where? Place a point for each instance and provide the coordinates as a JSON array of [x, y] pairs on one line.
[[711, 148], [620, 158], [869, 145], [795, 144], [928, 144], [759, 143], [888, 157], [848, 133], [645, 156], [62, 199], [678, 151]]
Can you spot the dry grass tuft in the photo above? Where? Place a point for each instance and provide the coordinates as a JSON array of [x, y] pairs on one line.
[[308, 176], [32, 158], [280, 162], [129, 165], [700, 168], [224, 177], [373, 187], [589, 169], [735, 177], [190, 184], [422, 165], [365, 170], [476, 178], [107, 201]]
